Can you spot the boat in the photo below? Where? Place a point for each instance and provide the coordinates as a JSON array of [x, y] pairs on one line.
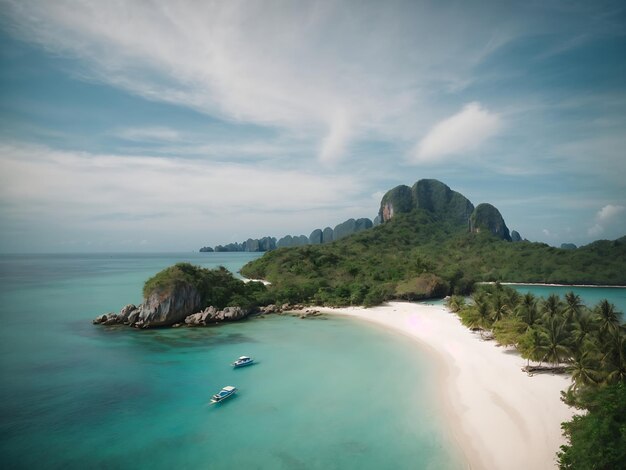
[[223, 394], [243, 361]]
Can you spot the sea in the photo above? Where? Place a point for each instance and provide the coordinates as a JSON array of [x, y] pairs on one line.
[[331, 393], [590, 296]]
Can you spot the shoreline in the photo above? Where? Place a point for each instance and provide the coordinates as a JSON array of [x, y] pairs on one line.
[[498, 416], [552, 285]]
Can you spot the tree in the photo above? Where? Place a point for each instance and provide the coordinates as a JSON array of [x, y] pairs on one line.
[[557, 345], [584, 329], [614, 359], [527, 309], [573, 306], [585, 369], [607, 316], [551, 307], [533, 344], [597, 439]]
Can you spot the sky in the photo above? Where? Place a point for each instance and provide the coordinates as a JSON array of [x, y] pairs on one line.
[[167, 126]]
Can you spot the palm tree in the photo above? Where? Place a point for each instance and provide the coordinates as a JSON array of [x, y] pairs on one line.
[[608, 317], [557, 347], [533, 345], [573, 306], [482, 310], [585, 369], [614, 359], [499, 308], [527, 310], [583, 331], [551, 307]]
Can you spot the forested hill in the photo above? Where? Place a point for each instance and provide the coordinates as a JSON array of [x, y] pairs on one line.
[[420, 253]]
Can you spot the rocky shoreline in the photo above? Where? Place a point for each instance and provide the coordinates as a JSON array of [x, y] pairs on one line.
[[133, 316]]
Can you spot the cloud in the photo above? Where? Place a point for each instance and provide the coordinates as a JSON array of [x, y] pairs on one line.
[[334, 143], [458, 134], [605, 218], [332, 70], [120, 197], [608, 212]]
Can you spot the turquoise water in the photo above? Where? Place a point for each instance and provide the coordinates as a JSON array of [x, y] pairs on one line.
[[589, 295], [331, 393]]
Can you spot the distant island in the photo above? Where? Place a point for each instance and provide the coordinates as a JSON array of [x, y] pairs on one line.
[[317, 237]]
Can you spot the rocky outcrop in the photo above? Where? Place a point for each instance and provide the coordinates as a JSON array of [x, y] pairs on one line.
[[396, 201], [167, 308], [213, 315], [351, 226], [515, 236], [327, 235], [158, 309], [427, 194], [267, 244], [316, 237], [568, 246], [289, 241], [230, 247], [438, 198], [487, 217]]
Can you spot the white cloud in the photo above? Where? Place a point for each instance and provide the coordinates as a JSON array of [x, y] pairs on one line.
[[461, 133], [267, 64], [605, 219], [86, 196], [335, 142], [608, 212]]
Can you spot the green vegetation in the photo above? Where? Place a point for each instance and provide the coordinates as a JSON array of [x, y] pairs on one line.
[[217, 287], [377, 264], [590, 343], [597, 440]]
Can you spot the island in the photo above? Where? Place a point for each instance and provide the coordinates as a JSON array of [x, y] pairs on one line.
[[432, 242]]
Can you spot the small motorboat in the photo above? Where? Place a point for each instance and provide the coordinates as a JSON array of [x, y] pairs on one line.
[[223, 394], [243, 361]]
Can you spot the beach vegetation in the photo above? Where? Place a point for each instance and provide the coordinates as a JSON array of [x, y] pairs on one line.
[[597, 438], [587, 342]]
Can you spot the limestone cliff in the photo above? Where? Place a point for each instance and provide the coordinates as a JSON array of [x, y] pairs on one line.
[[430, 195], [396, 201], [436, 197], [487, 217]]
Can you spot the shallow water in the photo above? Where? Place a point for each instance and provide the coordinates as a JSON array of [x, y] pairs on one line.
[[327, 393], [591, 296]]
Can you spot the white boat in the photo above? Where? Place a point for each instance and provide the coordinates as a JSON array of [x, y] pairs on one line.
[[243, 361], [223, 394]]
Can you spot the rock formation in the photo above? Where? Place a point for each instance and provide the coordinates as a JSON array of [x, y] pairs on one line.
[[213, 315], [430, 195], [515, 236], [351, 226], [327, 235], [316, 237], [396, 201], [487, 217], [438, 198]]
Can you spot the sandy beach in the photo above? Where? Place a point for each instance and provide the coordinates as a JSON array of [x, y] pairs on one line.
[[501, 417]]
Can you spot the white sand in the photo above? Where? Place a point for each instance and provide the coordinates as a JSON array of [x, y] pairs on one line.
[[501, 417]]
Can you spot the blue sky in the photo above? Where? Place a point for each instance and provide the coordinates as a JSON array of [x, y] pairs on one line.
[[164, 125]]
